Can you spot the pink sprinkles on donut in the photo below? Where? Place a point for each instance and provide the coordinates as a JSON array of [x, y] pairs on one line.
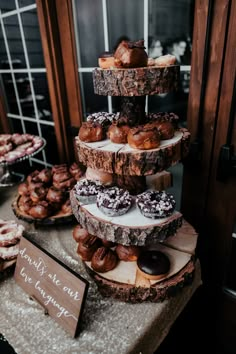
[[155, 204]]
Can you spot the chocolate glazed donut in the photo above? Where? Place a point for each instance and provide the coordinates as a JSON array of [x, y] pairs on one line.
[[103, 260], [153, 264]]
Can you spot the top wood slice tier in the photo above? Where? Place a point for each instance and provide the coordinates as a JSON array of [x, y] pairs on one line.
[[123, 160], [136, 81]]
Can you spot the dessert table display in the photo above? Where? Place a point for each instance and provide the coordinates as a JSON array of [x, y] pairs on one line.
[[126, 225], [108, 326]]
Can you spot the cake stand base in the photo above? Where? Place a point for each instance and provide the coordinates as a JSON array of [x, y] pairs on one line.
[[9, 178]]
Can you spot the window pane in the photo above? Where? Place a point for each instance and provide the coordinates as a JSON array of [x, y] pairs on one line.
[[32, 39], [7, 5], [125, 19], [89, 25], [42, 96], [10, 94], [23, 3]]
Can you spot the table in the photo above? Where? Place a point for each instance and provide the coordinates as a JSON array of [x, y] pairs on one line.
[[108, 326]]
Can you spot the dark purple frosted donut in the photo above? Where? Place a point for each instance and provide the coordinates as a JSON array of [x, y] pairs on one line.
[[156, 204], [153, 264], [114, 201], [86, 190], [103, 118]]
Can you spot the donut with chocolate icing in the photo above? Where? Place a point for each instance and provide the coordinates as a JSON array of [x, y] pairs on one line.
[[127, 253], [87, 247], [23, 188], [45, 175], [156, 204], [55, 195], [104, 260], [166, 129], [153, 265], [38, 193], [86, 191], [79, 233], [130, 55], [91, 131], [118, 133], [40, 211], [144, 137], [103, 118], [76, 170], [114, 201], [106, 60]]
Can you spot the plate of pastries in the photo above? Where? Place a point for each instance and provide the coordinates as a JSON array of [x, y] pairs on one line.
[[43, 197]]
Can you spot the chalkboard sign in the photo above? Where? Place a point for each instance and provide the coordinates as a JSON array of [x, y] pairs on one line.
[[58, 289]]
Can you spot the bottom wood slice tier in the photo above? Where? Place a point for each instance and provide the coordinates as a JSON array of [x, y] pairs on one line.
[[126, 284]]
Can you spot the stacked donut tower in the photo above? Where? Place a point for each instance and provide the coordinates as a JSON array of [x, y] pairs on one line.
[[133, 242]]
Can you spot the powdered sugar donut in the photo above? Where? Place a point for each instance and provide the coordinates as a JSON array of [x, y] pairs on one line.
[[155, 204], [86, 191], [114, 201]]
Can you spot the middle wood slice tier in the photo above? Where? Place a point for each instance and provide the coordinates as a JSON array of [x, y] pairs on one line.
[[131, 228]]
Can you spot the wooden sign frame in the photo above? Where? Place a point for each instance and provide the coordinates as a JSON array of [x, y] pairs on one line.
[[57, 288]]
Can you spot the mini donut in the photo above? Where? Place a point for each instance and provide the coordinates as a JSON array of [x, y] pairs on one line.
[[86, 191], [106, 60], [32, 185], [10, 233], [114, 201], [59, 168], [40, 211], [165, 60], [103, 118], [79, 234], [104, 178], [108, 243], [45, 175], [127, 253], [23, 188], [104, 260], [55, 195], [166, 129], [38, 193], [153, 265], [156, 204], [118, 133], [144, 137], [8, 253], [91, 132], [131, 54], [61, 176], [66, 207], [66, 184], [77, 171], [33, 176], [25, 203], [87, 247]]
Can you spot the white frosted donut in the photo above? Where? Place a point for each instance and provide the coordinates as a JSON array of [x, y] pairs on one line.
[[10, 233], [8, 253]]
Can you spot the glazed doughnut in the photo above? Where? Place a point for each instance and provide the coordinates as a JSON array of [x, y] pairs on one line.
[[86, 191], [58, 168], [40, 211], [79, 234], [127, 253], [32, 185], [91, 131], [77, 171], [130, 55], [33, 176], [106, 60], [118, 134], [10, 233], [45, 175], [66, 207], [87, 247], [104, 178], [114, 201], [25, 203], [144, 137], [23, 188], [61, 176], [166, 129], [103, 260], [153, 265], [67, 184], [165, 60], [155, 204], [55, 195], [8, 253], [38, 194]]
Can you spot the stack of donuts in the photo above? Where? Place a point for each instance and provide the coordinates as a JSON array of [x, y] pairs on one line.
[[45, 192], [105, 255], [10, 234], [15, 146]]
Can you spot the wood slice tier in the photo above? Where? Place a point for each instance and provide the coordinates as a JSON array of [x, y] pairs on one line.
[[136, 81], [125, 283], [122, 159], [131, 228]]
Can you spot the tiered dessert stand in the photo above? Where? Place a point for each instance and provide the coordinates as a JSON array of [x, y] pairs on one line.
[[171, 235]]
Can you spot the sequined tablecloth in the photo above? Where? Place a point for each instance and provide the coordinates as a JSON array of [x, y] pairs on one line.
[[108, 326]]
